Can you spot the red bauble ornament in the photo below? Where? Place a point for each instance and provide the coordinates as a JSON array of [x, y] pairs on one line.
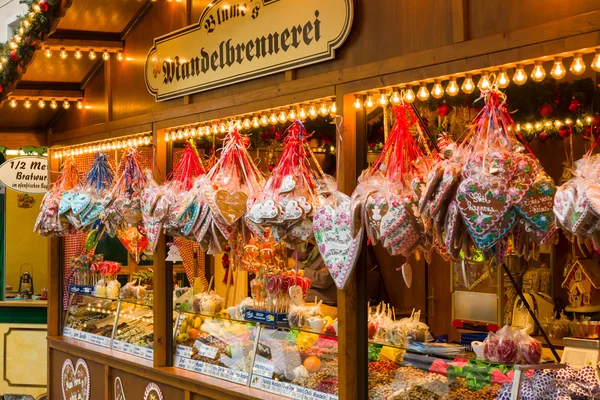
[[271, 167], [546, 110], [43, 5], [444, 110], [29, 41], [587, 133], [371, 145], [574, 105], [14, 56], [596, 120], [543, 136], [278, 136], [565, 132]]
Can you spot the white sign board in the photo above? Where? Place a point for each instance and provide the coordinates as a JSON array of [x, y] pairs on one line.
[[25, 174], [242, 40]]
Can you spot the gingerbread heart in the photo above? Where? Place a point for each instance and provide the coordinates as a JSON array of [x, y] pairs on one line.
[[79, 202], [192, 214], [288, 183], [333, 233], [304, 204], [488, 239], [75, 380], [65, 202], [292, 211], [394, 217], [482, 202], [92, 215], [592, 193], [525, 175], [375, 208], [296, 295], [119, 392], [301, 231], [537, 204], [231, 205]]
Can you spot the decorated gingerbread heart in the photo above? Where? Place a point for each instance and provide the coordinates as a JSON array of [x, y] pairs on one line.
[[79, 202], [288, 183], [482, 202], [536, 206], [75, 380]]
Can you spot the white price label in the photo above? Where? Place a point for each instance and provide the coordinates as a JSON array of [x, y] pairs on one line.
[[310, 394], [183, 351], [293, 391], [263, 369], [207, 351], [333, 397], [68, 332]]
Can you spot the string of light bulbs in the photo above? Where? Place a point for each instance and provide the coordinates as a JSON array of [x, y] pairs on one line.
[[557, 123], [141, 139], [322, 107], [50, 102], [63, 53], [407, 93]]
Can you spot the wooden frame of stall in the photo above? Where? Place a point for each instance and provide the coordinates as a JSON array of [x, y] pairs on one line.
[[579, 31]]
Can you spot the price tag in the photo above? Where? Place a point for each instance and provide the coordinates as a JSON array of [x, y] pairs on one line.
[[332, 397], [198, 367], [183, 351], [207, 351], [180, 362], [149, 354], [310, 394], [289, 390], [263, 369], [68, 332]]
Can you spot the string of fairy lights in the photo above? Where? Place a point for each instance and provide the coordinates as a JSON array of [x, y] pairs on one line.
[[302, 111], [488, 77], [125, 142], [63, 53], [43, 101]]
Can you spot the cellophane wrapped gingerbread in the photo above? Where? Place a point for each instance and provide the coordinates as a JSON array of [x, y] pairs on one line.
[[83, 205], [49, 221], [285, 207]]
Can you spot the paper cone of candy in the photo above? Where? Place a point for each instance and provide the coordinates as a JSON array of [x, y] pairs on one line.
[[226, 189], [387, 196], [577, 202], [122, 206], [502, 191], [285, 206], [49, 222], [176, 204], [83, 205]]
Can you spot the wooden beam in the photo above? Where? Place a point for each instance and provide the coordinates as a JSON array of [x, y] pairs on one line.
[[108, 99], [111, 46], [136, 19], [33, 94], [459, 21]]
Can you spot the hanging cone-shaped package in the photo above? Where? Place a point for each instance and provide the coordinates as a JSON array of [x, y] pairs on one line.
[[226, 189], [286, 204], [83, 205], [387, 195], [49, 222]]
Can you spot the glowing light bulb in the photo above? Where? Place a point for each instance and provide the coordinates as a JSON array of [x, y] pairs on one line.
[[503, 79], [105, 55], [27, 104], [539, 73], [48, 52], [569, 121], [596, 61], [292, 115], [423, 93], [438, 90], [255, 122], [383, 100], [396, 97], [120, 56], [186, 133], [53, 104], [468, 86], [222, 128], [369, 102], [578, 66], [302, 113], [282, 117], [63, 54], [409, 95], [77, 54], [246, 123], [312, 112], [333, 109], [264, 121], [79, 104], [13, 45], [41, 103], [273, 119], [558, 70], [484, 82], [357, 103], [66, 104], [520, 77], [167, 137], [92, 54], [452, 88], [323, 110]]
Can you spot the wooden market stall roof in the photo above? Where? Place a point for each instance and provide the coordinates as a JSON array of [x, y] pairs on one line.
[[85, 25]]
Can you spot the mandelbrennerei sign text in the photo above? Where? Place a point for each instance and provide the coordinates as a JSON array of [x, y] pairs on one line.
[[238, 41]]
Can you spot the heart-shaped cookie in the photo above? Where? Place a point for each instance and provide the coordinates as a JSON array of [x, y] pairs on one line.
[[292, 211], [153, 392], [592, 193], [536, 206], [79, 202], [92, 215], [119, 392], [339, 249], [192, 214], [375, 208], [75, 380], [489, 238], [525, 175], [65, 202], [301, 231], [296, 295], [288, 183], [231, 205], [482, 202]]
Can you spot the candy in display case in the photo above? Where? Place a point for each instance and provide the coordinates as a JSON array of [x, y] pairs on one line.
[[217, 347], [134, 331], [91, 319], [296, 364]]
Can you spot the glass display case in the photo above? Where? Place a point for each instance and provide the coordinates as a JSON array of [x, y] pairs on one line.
[[289, 362], [214, 346], [123, 325], [91, 319]]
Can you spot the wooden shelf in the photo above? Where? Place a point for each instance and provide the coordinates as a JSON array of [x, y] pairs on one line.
[[24, 303]]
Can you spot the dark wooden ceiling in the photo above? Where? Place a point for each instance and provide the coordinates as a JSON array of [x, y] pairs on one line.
[[111, 16]]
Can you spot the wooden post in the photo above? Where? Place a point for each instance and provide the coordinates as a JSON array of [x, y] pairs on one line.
[[163, 278], [352, 302]]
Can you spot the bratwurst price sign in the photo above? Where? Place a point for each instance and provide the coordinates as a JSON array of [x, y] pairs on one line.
[[238, 41], [25, 174]]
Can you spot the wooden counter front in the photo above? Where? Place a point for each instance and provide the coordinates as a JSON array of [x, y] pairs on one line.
[[24, 303], [136, 373]]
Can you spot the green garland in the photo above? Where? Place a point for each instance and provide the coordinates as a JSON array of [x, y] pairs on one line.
[[35, 25]]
